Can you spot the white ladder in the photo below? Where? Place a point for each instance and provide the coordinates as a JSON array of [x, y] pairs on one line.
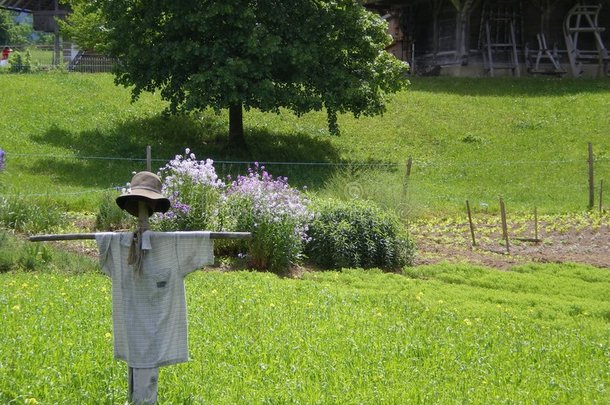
[[582, 19]]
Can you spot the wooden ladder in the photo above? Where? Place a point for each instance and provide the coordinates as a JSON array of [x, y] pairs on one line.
[[551, 55], [582, 19], [499, 41]]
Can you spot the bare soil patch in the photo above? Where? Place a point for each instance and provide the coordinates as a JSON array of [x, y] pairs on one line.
[[582, 238]]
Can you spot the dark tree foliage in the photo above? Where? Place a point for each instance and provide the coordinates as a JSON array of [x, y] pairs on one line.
[[302, 55]]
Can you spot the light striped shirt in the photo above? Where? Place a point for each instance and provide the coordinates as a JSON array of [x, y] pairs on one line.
[[149, 310]]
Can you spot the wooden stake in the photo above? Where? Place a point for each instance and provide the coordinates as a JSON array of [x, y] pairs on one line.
[[601, 193], [409, 164], [85, 236], [405, 184], [504, 225], [536, 224], [148, 158], [142, 387], [143, 223], [474, 242], [591, 184]]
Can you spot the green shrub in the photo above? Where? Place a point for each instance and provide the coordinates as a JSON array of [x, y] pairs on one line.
[[21, 63], [21, 255], [34, 257], [30, 216], [7, 252], [110, 217], [357, 234]]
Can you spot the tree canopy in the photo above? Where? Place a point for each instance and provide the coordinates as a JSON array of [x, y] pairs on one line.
[[302, 55]]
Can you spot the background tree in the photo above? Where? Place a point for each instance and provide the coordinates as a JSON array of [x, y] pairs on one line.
[[6, 24], [302, 55], [11, 32], [84, 25]]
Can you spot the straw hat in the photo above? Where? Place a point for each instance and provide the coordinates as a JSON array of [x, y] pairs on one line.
[[145, 186]]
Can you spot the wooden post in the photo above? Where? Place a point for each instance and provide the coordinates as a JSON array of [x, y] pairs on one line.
[[504, 225], [142, 383], [474, 242], [405, 183], [591, 184], [536, 224], [148, 158], [601, 194], [409, 164]]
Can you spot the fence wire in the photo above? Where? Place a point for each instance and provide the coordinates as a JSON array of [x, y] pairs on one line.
[[429, 184]]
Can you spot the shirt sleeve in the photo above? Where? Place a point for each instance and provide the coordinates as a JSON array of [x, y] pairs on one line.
[[194, 250], [104, 240]]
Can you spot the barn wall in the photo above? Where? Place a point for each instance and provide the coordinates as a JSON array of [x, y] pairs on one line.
[[431, 29]]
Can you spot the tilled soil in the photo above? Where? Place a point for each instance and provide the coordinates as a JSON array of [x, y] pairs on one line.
[[583, 238]]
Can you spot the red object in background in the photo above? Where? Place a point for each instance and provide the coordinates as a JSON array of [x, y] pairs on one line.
[[5, 52]]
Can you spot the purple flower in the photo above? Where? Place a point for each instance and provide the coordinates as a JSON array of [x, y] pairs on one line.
[[1, 160], [272, 199], [180, 207]]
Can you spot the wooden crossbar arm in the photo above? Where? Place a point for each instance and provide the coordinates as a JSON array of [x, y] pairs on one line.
[[83, 236]]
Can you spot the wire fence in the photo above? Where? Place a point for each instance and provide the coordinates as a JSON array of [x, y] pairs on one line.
[[28, 57], [415, 185]]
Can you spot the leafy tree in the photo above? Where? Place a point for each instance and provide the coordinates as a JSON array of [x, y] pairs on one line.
[[84, 25], [302, 55], [6, 27], [19, 33]]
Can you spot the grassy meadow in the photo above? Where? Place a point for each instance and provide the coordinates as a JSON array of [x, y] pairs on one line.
[[433, 334], [446, 334], [70, 136]]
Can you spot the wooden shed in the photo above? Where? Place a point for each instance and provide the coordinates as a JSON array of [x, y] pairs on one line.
[[502, 37]]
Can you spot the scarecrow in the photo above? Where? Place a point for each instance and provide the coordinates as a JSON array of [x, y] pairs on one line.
[[148, 299]]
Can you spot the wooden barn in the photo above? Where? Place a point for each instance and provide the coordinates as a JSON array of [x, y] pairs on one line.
[[503, 37]]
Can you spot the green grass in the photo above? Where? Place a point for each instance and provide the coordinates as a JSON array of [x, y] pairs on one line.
[[442, 334], [450, 334], [477, 139]]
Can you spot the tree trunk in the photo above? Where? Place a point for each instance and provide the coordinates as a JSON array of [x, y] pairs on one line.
[[236, 126]]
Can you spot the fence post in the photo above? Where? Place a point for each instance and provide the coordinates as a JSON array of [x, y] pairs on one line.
[[504, 225], [601, 194], [536, 224], [591, 184], [405, 183], [148, 158], [474, 242]]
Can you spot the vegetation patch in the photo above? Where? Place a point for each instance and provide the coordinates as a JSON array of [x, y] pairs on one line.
[[443, 334]]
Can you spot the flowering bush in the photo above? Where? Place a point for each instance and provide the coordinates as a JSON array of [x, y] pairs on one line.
[[193, 189], [275, 213]]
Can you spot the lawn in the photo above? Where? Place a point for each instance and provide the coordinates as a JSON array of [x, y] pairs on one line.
[[71, 136], [443, 334]]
